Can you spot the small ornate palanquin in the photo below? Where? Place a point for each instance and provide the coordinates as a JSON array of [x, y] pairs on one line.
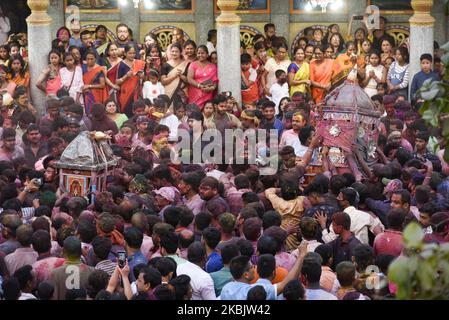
[[85, 165], [348, 118], [164, 35]]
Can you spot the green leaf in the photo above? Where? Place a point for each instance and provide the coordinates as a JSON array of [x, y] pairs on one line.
[[413, 235], [445, 47], [426, 276], [399, 273], [430, 94], [445, 58], [431, 116]]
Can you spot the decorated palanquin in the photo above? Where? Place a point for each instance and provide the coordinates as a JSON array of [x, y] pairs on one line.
[[348, 122], [85, 164]]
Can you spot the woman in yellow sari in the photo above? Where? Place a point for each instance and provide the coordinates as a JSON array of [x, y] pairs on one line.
[[344, 63], [174, 73], [299, 73]]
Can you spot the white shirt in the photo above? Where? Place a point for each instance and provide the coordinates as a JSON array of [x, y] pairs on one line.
[[210, 47], [290, 138], [278, 92], [5, 27], [201, 282], [27, 296], [360, 223], [152, 91], [172, 122]]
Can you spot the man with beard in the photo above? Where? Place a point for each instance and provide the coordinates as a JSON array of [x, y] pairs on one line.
[[124, 39], [9, 150], [214, 203], [189, 188], [35, 148]]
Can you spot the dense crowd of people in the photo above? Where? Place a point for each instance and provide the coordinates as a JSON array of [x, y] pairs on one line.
[[168, 231]]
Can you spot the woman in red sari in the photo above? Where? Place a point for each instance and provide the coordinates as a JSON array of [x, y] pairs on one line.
[[111, 61], [94, 89], [202, 78], [130, 72]]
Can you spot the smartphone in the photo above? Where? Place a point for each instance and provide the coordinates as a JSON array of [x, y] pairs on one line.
[[358, 17], [228, 93], [121, 256]]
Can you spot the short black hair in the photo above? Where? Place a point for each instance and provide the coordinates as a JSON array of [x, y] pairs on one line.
[[363, 256], [279, 73], [337, 183], [326, 253], [396, 219], [41, 241], [405, 195], [228, 252], [72, 246], [11, 289], [87, 231], [268, 26], [24, 275], [257, 293], [266, 265], [271, 218], [169, 242], [239, 266], [196, 252], [45, 290], [212, 237], [98, 280], [172, 215], [267, 245], [101, 246], [245, 58], [151, 275], [245, 247], [345, 271], [311, 269], [186, 216], [181, 284], [133, 237], [426, 56], [166, 266], [294, 290], [350, 195], [203, 220]]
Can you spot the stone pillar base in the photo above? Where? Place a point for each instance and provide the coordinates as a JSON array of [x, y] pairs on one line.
[[421, 41], [228, 50], [39, 45]]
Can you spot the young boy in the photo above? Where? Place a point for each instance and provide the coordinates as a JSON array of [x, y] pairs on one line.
[[382, 89], [152, 88], [279, 89], [269, 121], [425, 73], [250, 87]]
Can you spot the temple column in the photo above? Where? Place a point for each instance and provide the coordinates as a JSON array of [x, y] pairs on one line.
[[39, 45], [228, 48], [421, 33]]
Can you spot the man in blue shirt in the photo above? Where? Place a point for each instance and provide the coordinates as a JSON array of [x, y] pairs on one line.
[[210, 239], [133, 242], [243, 272], [425, 74], [224, 276]]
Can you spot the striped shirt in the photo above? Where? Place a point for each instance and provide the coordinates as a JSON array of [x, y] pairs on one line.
[[107, 266], [27, 214], [399, 75]]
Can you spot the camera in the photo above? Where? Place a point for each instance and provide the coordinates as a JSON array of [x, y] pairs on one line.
[[121, 256]]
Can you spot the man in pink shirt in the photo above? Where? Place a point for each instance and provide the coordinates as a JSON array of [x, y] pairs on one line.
[[391, 241]]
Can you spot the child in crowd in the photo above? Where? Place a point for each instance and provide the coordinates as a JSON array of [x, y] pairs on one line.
[[152, 88], [425, 73], [250, 86], [279, 89]]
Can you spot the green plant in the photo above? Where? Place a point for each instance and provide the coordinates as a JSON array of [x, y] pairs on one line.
[[422, 271], [435, 109]]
